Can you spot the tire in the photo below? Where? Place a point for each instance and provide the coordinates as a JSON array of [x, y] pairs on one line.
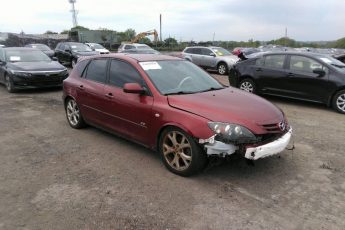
[[180, 153], [9, 84], [222, 68], [247, 85], [338, 102], [73, 63], [73, 115]]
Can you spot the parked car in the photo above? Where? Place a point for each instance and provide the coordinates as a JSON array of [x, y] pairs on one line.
[[68, 53], [340, 57], [170, 105], [140, 51], [210, 57], [128, 46], [305, 76], [97, 47], [29, 68], [2, 46], [44, 48]]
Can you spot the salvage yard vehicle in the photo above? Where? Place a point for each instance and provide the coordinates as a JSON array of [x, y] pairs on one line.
[[128, 46], [68, 53], [44, 48], [171, 105], [97, 47], [305, 76], [140, 51], [210, 57], [29, 68]]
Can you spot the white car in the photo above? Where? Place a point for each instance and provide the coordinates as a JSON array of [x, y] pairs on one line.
[[97, 47], [129, 46]]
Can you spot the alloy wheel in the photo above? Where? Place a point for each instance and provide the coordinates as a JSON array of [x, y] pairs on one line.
[[247, 86], [222, 69], [73, 113], [177, 150], [341, 102], [8, 83]]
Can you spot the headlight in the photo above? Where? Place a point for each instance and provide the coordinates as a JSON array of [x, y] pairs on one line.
[[232, 132], [20, 73]]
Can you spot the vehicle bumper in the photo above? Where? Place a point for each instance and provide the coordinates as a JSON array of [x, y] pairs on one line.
[[37, 81], [269, 149], [218, 148]]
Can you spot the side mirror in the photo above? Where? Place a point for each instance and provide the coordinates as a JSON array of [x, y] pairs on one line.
[[212, 54], [54, 58], [320, 72], [133, 88]]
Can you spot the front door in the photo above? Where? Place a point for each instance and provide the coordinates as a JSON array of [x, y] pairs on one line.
[[129, 114]]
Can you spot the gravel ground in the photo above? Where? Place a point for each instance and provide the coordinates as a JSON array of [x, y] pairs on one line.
[[55, 177]]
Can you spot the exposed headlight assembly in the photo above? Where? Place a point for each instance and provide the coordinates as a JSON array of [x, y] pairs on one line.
[[232, 132]]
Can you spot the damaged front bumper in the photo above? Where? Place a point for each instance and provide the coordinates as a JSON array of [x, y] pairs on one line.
[[218, 148]]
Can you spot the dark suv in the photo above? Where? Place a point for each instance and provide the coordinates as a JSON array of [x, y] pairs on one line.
[[68, 53], [306, 76]]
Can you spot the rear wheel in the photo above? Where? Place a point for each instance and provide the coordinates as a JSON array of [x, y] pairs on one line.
[[248, 85], [222, 68], [180, 153], [74, 117], [339, 101], [9, 84]]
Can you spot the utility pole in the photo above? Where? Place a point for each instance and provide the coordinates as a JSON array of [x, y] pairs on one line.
[[74, 13], [160, 27]]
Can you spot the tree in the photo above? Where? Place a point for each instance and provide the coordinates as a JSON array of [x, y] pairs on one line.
[[170, 42], [340, 43], [50, 32], [65, 32], [82, 28], [130, 34]]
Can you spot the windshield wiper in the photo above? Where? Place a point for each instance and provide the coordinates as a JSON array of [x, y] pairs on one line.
[[179, 92], [211, 89]]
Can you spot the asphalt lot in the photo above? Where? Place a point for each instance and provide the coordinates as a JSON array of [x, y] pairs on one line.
[[55, 177]]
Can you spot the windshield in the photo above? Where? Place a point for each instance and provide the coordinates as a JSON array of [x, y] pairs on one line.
[[26, 56], [41, 47], [80, 47], [179, 77], [220, 51], [143, 47], [97, 46], [333, 62]]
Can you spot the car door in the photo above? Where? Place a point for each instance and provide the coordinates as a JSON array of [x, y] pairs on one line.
[[128, 114], [268, 73], [208, 58], [196, 56], [302, 82], [90, 92], [2, 65]]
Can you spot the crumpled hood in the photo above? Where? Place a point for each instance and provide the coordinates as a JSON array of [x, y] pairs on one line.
[[36, 66], [231, 59], [230, 105]]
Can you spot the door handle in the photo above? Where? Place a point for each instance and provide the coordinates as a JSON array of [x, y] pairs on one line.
[[81, 87], [290, 75], [258, 69], [109, 95]]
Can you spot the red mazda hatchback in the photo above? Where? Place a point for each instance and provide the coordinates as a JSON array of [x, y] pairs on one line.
[[172, 106]]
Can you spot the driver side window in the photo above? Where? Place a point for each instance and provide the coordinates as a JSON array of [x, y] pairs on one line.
[[305, 64]]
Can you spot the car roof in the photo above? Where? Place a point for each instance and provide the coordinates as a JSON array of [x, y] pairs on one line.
[[203, 47], [19, 48], [308, 54], [136, 57]]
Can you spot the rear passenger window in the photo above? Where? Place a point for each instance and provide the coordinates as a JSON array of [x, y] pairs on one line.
[[189, 50], [129, 47], [97, 70], [205, 51], [121, 73], [274, 61], [79, 68]]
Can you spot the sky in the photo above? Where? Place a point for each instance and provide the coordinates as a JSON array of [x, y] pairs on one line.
[[185, 20]]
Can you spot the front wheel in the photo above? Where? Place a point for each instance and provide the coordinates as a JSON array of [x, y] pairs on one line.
[[339, 101], [9, 84], [222, 68], [180, 153], [73, 114], [248, 85]]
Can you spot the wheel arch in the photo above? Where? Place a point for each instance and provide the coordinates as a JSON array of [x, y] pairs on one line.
[[243, 77], [330, 99]]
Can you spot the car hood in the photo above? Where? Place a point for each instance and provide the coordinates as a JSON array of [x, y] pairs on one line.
[[230, 105], [85, 53], [50, 53], [36, 66]]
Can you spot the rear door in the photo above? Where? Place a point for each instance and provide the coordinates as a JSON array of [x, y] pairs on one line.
[[270, 72], [128, 114], [302, 82], [90, 90], [207, 60]]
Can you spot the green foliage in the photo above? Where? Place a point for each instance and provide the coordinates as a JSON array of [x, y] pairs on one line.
[[80, 28], [50, 32], [65, 32], [170, 42], [340, 43]]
